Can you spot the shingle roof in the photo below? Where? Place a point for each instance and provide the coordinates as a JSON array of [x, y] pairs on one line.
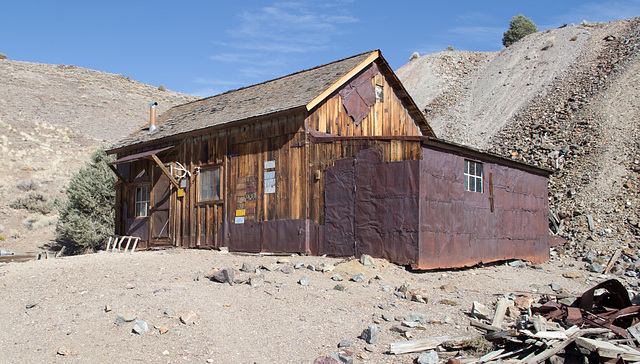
[[285, 93]]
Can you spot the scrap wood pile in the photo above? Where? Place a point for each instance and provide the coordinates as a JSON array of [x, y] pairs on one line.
[[600, 326]]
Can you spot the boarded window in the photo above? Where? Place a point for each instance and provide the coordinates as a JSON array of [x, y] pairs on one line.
[[473, 176], [142, 201], [210, 184]]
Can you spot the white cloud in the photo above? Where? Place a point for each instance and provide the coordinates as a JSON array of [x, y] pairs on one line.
[[291, 27]]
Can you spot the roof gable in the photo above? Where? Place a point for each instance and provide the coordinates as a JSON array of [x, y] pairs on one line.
[[302, 89]]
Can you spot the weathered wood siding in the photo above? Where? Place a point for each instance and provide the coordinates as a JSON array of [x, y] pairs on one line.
[[388, 117]]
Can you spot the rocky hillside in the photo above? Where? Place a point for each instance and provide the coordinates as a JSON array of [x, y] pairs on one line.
[[51, 118], [566, 99]]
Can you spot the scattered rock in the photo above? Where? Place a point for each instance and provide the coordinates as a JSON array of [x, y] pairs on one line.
[[188, 317], [594, 267], [358, 278], [169, 312], [298, 265], [162, 329], [304, 281], [430, 357], [270, 266], [30, 305], [345, 343], [370, 334], [449, 288], [339, 287], [286, 269], [366, 260], [247, 268], [336, 277], [63, 351], [325, 360], [256, 280], [572, 275], [479, 310], [324, 268], [140, 327], [124, 318], [225, 275], [107, 308]]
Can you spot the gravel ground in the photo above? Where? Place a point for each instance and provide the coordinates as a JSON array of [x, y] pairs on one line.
[[54, 310]]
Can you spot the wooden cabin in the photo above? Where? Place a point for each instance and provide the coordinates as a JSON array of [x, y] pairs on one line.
[[333, 160]]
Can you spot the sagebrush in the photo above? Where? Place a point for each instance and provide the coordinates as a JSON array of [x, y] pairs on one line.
[[33, 202], [87, 216]]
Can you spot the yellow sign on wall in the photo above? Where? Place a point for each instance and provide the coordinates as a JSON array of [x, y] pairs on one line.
[[240, 212]]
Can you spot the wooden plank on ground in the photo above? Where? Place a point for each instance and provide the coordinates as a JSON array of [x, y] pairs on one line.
[[501, 310], [413, 346]]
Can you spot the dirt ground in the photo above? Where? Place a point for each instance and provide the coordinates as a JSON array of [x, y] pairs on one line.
[[54, 311]]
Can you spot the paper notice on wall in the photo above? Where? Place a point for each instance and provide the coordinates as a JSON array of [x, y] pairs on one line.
[[239, 219], [269, 164], [270, 189]]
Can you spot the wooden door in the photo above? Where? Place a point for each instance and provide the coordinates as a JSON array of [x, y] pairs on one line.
[[160, 208]]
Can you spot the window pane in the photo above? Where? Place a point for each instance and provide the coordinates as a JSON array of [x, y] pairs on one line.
[[466, 167], [478, 169], [466, 182], [478, 184], [210, 184]]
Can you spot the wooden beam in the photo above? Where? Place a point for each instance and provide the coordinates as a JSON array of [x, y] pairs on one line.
[[342, 80], [165, 171], [120, 177]]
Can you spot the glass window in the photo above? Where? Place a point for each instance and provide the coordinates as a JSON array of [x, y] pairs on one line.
[[142, 201], [473, 176], [210, 184]]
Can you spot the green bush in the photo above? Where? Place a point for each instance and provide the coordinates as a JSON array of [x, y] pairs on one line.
[[33, 202], [450, 48], [162, 88], [3, 56], [87, 217], [519, 27], [2, 238]]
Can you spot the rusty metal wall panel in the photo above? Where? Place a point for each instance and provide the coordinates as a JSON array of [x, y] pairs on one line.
[[244, 237], [339, 208], [381, 217], [283, 236], [458, 228], [276, 236]]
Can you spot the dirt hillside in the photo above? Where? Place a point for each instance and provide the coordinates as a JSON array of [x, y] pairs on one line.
[[51, 118], [566, 99]]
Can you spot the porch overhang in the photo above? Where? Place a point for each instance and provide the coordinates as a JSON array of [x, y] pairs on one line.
[[150, 154]]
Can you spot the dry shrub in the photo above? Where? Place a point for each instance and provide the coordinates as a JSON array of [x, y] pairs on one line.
[[33, 202], [28, 185], [479, 345]]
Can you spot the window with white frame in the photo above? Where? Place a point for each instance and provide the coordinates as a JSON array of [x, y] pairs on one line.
[[209, 184], [473, 176], [142, 201]]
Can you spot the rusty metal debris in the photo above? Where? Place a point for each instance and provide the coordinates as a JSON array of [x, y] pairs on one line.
[[600, 326]]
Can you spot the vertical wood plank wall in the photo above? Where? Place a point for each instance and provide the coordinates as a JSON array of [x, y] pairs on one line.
[[241, 151]]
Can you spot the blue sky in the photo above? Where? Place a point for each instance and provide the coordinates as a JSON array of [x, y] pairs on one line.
[[205, 47]]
